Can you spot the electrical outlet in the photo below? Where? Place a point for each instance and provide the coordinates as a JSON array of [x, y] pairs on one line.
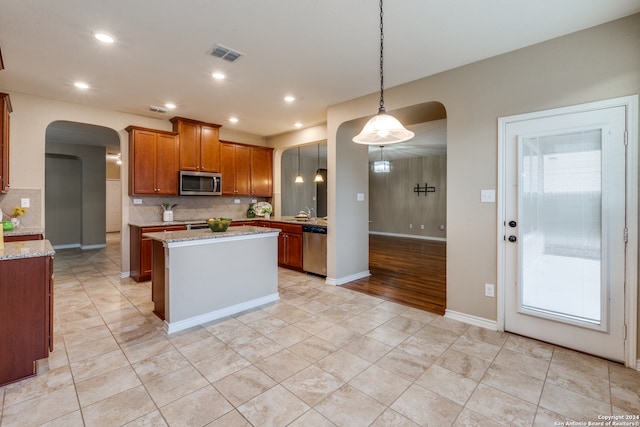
[[137, 201], [25, 203], [421, 226], [489, 290], [410, 225], [442, 227], [236, 201]]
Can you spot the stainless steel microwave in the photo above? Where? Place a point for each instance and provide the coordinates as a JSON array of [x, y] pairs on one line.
[[200, 183]]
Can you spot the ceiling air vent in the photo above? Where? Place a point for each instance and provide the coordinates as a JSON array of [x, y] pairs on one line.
[[157, 109], [223, 52]]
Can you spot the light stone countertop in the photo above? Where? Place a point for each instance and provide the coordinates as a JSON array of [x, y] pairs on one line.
[[24, 231], [206, 234], [288, 219], [26, 249]]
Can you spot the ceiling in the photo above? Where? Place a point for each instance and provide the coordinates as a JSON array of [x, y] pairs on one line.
[[322, 52]]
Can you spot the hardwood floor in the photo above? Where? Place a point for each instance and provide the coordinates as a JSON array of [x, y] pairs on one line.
[[407, 271]]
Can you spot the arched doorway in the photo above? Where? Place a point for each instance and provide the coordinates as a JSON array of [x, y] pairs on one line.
[[75, 189]]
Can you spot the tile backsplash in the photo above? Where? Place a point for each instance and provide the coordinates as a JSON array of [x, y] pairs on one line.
[[189, 207], [13, 198]]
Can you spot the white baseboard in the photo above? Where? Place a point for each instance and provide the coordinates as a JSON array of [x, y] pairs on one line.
[[69, 246], [125, 274], [638, 365], [347, 279], [100, 246], [218, 314], [472, 320], [410, 236]]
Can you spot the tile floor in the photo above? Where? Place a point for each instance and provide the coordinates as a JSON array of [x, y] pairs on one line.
[[321, 356]]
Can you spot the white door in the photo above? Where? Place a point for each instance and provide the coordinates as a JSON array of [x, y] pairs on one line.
[[564, 228]]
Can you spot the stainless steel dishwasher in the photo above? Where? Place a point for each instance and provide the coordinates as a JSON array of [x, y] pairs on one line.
[[314, 249]]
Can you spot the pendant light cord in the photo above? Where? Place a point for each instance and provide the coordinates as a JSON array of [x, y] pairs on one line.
[[381, 109]]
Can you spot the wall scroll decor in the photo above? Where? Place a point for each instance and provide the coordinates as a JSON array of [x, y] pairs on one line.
[[426, 189]]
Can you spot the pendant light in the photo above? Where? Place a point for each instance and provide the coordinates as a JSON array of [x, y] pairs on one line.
[[318, 177], [381, 166], [299, 179], [382, 128]]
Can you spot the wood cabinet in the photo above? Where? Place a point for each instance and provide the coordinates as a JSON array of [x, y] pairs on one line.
[[23, 237], [153, 162], [26, 315], [140, 250], [5, 110], [261, 171], [246, 170], [199, 145], [289, 245], [235, 166]]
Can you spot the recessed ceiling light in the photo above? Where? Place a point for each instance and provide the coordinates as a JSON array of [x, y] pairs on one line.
[[81, 85], [289, 98], [170, 105], [233, 119], [218, 76], [104, 37], [298, 125]]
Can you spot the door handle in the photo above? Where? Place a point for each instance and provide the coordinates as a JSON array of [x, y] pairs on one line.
[[512, 224], [512, 238]]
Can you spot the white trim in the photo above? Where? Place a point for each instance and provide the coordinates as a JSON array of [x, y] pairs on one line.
[[180, 325], [631, 273], [410, 236], [100, 246], [638, 365], [472, 320], [125, 274], [347, 279]]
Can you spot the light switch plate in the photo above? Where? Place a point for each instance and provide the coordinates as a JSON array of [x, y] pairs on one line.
[[488, 196], [360, 197], [25, 203]]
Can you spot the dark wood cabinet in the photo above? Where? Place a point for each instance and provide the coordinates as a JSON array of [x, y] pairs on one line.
[[246, 170], [23, 237], [235, 166], [199, 145], [5, 110], [140, 251], [26, 315], [153, 162], [289, 245]]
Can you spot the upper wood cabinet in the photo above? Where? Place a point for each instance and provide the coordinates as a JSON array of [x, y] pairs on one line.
[[261, 171], [235, 166], [153, 162], [247, 170], [199, 145], [5, 110]]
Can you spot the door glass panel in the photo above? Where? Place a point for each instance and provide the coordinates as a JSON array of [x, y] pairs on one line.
[[560, 224]]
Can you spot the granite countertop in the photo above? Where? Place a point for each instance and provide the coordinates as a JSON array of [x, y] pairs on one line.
[[24, 231], [206, 234], [288, 219], [26, 249]]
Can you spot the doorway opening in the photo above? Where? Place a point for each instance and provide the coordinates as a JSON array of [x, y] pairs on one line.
[[76, 174]]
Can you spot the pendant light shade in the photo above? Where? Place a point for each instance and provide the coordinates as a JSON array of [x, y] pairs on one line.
[[382, 128], [299, 179]]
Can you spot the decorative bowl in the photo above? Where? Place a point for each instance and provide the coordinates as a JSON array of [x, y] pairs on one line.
[[218, 224], [7, 226]]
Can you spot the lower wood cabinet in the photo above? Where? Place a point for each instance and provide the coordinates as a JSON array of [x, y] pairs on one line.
[[23, 237], [140, 253], [289, 245], [26, 315]]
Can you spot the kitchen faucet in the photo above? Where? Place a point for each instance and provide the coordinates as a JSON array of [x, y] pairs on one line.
[[309, 210]]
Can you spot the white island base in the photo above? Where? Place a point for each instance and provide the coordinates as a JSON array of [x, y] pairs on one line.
[[199, 276]]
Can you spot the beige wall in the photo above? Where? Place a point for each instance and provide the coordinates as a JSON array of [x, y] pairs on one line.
[[394, 206], [598, 63]]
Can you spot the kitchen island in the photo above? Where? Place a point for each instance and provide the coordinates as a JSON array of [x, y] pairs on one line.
[[199, 276]]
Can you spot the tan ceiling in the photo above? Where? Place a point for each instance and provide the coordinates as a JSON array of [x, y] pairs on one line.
[[323, 52]]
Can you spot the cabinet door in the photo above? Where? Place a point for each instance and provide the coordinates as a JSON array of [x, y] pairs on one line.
[[282, 249], [146, 252], [294, 250], [209, 149], [228, 168], [261, 172], [243, 170], [166, 165], [142, 148], [5, 109], [189, 146]]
